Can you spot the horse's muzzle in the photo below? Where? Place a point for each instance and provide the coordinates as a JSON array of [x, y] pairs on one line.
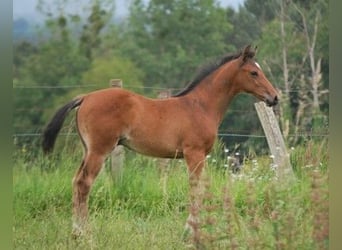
[[272, 101]]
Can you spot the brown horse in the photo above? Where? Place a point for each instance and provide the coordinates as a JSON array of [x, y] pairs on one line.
[[182, 126]]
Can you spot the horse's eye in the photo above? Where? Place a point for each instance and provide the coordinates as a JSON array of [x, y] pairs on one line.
[[254, 73]]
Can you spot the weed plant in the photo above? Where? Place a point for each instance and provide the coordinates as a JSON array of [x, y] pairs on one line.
[[148, 207]]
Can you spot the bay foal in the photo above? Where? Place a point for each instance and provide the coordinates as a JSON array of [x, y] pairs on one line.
[[182, 126]]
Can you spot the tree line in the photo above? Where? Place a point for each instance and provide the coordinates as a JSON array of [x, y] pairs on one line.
[[161, 44]]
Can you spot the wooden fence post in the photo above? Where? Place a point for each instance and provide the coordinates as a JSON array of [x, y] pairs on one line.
[[164, 94], [115, 83], [118, 154], [275, 141]]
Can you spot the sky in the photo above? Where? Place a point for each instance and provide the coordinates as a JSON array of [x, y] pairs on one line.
[[27, 8]]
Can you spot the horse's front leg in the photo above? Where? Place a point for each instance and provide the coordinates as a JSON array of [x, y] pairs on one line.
[[195, 161]]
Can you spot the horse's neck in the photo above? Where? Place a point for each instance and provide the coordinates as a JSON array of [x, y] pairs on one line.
[[215, 94]]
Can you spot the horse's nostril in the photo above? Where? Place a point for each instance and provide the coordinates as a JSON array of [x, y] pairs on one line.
[[275, 100]]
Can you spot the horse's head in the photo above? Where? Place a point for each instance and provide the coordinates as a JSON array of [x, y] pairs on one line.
[[251, 79]]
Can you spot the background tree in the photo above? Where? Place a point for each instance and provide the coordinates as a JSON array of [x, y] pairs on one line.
[[265, 11], [46, 71], [172, 38], [316, 89], [246, 29], [161, 44], [100, 14], [294, 39], [56, 62], [112, 66]]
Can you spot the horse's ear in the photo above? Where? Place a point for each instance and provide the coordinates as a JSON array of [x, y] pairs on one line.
[[247, 50], [255, 49], [246, 53]]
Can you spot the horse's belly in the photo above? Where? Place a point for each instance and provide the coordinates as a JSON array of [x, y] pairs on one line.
[[153, 148]]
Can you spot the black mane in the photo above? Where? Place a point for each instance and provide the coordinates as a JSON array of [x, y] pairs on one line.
[[206, 70]]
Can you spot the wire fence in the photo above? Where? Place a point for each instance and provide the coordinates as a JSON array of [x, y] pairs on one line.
[[32, 132], [83, 86], [219, 134]]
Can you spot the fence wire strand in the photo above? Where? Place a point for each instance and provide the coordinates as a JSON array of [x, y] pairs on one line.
[[82, 86]]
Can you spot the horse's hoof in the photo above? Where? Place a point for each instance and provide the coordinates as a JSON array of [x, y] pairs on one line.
[[76, 234], [77, 231]]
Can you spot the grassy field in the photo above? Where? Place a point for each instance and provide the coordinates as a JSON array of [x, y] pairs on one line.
[[148, 208]]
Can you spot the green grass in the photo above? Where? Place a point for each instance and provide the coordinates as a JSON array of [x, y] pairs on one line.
[[148, 208]]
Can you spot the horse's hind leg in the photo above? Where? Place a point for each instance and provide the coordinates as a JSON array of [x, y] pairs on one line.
[[82, 182]]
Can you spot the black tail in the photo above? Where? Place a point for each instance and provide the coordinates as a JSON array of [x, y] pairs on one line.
[[52, 129]]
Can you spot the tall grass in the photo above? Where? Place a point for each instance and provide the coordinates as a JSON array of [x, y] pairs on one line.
[[148, 208]]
